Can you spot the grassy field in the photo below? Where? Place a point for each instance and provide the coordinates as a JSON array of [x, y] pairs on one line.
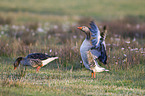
[[67, 76], [51, 81], [50, 26]]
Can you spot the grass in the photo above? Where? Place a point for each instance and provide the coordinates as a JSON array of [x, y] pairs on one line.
[[60, 82], [67, 76], [28, 26], [61, 11]]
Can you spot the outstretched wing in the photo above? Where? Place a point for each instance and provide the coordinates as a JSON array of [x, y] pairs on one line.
[[95, 37], [103, 57], [40, 56], [98, 42]]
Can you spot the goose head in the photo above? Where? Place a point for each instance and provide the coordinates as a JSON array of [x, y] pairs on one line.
[[85, 30], [17, 62]]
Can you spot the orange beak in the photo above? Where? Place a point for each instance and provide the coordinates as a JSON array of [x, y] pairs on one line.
[[80, 28], [15, 68]]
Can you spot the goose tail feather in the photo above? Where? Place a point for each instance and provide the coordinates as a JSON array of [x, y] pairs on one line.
[[44, 62]]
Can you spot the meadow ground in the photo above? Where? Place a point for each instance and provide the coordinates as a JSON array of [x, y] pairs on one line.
[[29, 26], [54, 81], [67, 75]]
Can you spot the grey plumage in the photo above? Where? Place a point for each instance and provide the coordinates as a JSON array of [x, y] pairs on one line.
[[34, 60], [96, 45], [31, 62]]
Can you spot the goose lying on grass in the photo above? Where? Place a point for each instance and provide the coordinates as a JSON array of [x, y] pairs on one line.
[[95, 43], [35, 60]]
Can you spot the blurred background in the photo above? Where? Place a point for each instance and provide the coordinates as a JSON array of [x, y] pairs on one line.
[[23, 11], [50, 26]]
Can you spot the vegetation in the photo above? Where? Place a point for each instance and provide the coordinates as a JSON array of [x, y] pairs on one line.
[[63, 10], [59, 82], [24, 29]]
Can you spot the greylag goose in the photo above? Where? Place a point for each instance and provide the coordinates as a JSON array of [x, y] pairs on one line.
[[95, 43], [35, 60]]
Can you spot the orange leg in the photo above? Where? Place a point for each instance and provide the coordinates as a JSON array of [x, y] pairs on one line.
[[15, 68], [38, 68], [41, 65], [94, 75]]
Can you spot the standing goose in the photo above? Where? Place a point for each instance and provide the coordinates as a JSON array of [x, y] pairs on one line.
[[96, 45], [35, 60]]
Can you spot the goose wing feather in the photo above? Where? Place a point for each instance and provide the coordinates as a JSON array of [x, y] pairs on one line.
[[95, 34], [40, 56]]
